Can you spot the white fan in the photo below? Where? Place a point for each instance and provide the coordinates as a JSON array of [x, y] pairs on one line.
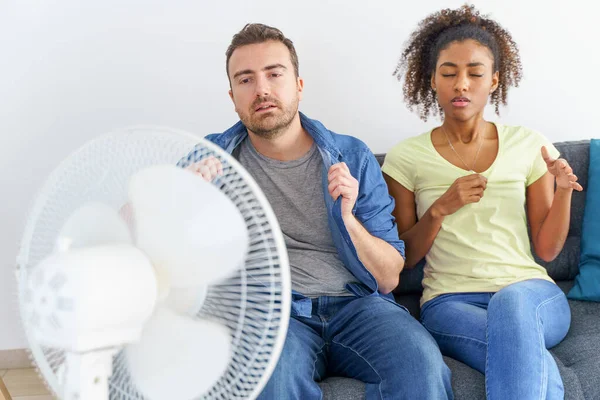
[[140, 280]]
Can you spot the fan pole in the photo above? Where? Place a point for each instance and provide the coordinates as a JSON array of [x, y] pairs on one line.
[[87, 374]]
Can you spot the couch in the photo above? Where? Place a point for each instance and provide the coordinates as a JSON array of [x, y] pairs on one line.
[[577, 356]]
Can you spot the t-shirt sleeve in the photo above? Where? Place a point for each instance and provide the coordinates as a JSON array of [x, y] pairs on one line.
[[399, 165], [538, 167]]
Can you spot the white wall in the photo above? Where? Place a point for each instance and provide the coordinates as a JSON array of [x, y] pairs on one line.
[[72, 70]]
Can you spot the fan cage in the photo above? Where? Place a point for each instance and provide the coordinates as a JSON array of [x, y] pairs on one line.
[[254, 303]]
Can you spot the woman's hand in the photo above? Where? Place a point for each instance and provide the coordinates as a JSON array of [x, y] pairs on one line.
[[562, 171], [465, 190]]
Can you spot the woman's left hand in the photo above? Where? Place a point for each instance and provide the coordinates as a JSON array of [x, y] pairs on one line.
[[562, 171]]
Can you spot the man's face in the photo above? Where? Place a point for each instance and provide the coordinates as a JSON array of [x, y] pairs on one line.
[[264, 87]]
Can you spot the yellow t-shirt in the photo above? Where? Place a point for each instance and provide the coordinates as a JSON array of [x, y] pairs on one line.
[[484, 246]]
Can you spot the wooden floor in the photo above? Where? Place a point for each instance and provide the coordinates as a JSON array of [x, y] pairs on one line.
[[24, 384]]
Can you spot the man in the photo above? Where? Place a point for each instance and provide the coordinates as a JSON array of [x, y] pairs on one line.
[[334, 209]]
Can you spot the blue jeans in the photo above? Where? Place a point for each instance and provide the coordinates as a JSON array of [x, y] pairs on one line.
[[367, 338], [505, 335]]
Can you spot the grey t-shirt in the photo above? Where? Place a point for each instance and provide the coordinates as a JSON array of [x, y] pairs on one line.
[[295, 191]]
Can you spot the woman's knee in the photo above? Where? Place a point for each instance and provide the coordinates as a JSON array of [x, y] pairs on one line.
[[514, 299]]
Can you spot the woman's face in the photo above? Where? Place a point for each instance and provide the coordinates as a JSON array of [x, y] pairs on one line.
[[464, 79]]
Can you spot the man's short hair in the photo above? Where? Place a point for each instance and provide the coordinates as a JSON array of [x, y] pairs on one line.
[[260, 33]]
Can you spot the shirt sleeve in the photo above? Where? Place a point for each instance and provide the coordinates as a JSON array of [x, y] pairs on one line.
[[538, 166], [374, 205], [399, 166]]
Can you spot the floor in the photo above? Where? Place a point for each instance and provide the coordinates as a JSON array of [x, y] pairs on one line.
[[24, 384]]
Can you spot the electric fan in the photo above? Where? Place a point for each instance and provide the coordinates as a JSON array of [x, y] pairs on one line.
[[140, 279]]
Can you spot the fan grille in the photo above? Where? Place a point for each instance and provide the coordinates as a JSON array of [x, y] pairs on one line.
[[253, 304]]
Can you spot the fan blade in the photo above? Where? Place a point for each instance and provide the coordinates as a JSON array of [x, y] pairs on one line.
[[190, 230], [178, 357], [92, 224], [186, 301]]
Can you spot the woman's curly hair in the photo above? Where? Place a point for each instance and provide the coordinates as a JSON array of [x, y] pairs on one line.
[[437, 32]]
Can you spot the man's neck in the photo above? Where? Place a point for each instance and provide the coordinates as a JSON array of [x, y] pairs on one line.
[[290, 144]]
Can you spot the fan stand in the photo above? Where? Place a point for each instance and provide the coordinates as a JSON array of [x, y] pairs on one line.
[[4, 395], [88, 373]]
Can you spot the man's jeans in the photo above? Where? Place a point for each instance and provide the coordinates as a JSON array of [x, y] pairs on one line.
[[505, 335], [368, 338]]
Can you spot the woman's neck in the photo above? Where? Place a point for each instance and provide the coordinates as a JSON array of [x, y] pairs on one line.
[[464, 131]]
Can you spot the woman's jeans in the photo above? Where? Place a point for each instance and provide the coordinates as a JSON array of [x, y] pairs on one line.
[[505, 335]]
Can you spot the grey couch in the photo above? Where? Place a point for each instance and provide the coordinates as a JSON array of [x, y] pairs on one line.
[[578, 356]]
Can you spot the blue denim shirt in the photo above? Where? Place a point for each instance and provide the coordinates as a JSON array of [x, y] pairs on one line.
[[373, 206]]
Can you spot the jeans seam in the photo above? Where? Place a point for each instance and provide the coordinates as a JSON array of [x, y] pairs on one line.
[[315, 362], [365, 360], [540, 337], [487, 353], [479, 342]]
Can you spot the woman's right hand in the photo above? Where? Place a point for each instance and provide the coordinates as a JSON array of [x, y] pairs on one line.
[[465, 190]]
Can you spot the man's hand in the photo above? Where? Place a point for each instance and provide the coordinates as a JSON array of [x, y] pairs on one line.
[[208, 168], [562, 171], [342, 183]]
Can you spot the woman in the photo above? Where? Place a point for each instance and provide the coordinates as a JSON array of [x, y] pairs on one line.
[[464, 192]]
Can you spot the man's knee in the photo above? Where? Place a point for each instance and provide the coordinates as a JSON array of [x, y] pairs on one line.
[[416, 357], [408, 343], [300, 353], [423, 351]]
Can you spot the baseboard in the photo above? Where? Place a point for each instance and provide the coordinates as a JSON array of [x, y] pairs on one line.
[[13, 359]]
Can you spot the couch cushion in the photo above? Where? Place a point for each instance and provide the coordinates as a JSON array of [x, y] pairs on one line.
[[467, 383], [410, 280], [566, 265], [587, 282], [578, 156], [336, 388], [578, 356]]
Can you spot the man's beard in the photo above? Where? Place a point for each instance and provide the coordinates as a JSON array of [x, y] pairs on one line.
[[270, 126]]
